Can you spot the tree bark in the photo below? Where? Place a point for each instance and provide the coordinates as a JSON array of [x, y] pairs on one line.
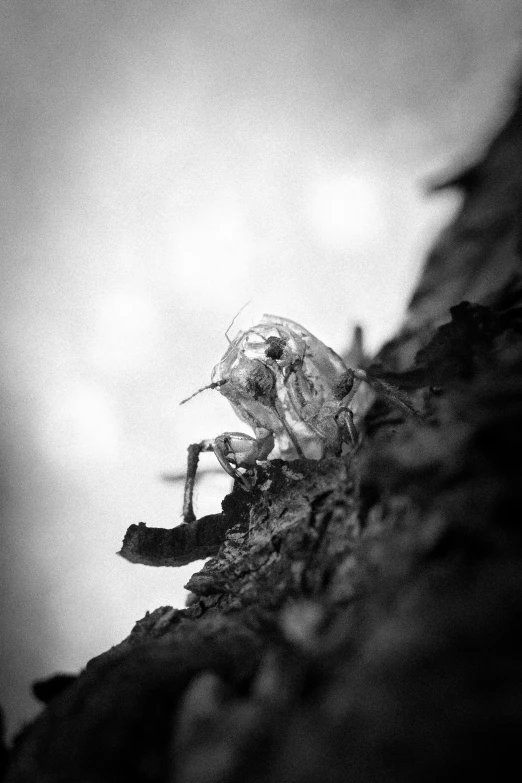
[[361, 617]]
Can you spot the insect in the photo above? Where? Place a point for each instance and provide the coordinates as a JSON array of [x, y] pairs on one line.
[[292, 390]]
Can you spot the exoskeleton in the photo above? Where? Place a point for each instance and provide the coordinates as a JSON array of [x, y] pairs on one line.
[[292, 390]]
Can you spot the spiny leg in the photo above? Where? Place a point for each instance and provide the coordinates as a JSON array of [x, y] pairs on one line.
[[345, 421], [346, 389], [194, 450], [236, 450], [392, 393]]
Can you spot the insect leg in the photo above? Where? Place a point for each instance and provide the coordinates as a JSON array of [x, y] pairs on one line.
[[280, 415], [348, 429], [392, 393], [194, 451], [234, 450]]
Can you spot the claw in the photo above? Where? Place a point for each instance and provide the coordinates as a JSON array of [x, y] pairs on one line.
[[234, 450], [344, 419]]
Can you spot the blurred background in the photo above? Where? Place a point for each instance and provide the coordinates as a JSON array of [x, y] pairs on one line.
[[162, 164]]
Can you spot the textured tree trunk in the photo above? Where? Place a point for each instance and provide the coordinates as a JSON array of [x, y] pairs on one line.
[[361, 617]]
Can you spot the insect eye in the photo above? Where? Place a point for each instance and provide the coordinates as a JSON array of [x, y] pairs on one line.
[[260, 381], [276, 346]]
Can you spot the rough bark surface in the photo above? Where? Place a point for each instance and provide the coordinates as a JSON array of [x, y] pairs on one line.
[[362, 618]]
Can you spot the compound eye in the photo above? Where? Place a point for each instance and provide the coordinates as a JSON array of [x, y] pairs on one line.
[[260, 382], [276, 347]]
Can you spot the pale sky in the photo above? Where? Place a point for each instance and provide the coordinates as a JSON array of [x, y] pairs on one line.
[[162, 164]]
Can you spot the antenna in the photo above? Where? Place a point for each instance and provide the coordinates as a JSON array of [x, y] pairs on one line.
[[233, 319], [216, 384], [213, 385]]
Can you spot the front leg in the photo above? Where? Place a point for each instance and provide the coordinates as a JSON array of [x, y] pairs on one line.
[[233, 450], [236, 450], [347, 428]]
